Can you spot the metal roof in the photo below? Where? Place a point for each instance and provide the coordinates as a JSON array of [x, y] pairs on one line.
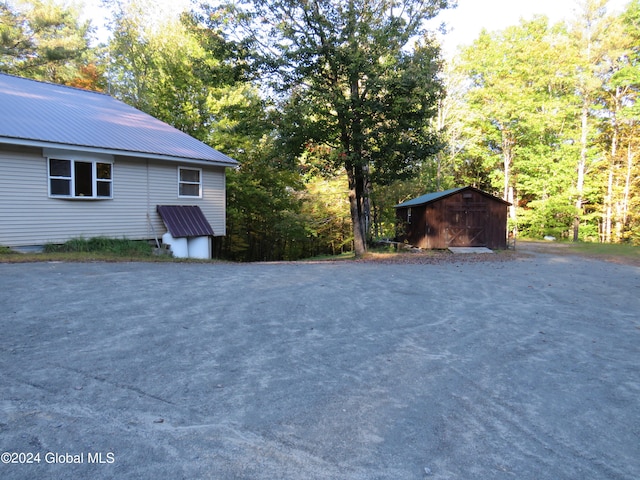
[[185, 221], [430, 197], [45, 114]]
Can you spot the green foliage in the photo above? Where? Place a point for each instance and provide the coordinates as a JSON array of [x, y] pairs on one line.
[[272, 215], [356, 81], [517, 101], [325, 210], [354, 102], [113, 246], [337, 110], [550, 216], [6, 250], [549, 114], [263, 221], [43, 40]]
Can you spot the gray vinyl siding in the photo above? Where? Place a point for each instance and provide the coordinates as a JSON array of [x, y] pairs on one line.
[[29, 217]]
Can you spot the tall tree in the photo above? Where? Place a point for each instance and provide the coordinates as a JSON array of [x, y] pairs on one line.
[[192, 76], [516, 104], [44, 40], [453, 125], [174, 69], [623, 88], [590, 39], [360, 77], [133, 53], [552, 113]]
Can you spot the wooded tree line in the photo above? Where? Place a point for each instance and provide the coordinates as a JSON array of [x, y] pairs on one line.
[[552, 118], [339, 110]]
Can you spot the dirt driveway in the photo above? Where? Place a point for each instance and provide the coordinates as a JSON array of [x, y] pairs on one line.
[[527, 368]]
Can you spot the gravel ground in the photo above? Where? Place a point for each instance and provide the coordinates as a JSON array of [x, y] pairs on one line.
[[512, 365]]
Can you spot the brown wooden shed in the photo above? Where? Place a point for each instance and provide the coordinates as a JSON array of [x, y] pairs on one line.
[[460, 217]]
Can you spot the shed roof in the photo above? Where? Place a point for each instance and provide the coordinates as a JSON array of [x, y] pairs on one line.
[[431, 197], [49, 115], [185, 221]]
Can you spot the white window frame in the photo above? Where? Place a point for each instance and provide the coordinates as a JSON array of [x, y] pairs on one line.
[[185, 182], [72, 159]]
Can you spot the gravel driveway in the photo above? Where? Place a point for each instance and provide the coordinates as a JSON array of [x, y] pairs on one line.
[[527, 368]]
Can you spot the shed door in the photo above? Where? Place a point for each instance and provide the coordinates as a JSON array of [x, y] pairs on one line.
[[467, 226]]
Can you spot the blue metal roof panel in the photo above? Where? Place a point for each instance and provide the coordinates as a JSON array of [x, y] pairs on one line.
[[45, 112], [185, 221], [429, 197]]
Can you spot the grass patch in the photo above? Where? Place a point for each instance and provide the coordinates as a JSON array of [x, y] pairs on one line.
[[618, 249], [87, 250], [611, 252], [97, 249], [109, 246]]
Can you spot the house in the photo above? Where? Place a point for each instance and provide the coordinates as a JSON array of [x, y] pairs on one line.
[[75, 163], [460, 217]]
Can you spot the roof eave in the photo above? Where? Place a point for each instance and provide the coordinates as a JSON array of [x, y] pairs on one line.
[[449, 193], [231, 163]]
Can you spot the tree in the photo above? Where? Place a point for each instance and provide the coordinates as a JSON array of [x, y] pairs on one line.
[[194, 78], [325, 210], [133, 53], [517, 97], [622, 99], [590, 39], [452, 124], [45, 41], [360, 77], [552, 114]]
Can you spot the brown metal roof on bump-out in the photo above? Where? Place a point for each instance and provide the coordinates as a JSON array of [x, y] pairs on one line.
[[185, 221]]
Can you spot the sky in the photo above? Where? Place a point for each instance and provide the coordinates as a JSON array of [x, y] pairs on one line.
[[92, 10], [464, 22], [467, 20]]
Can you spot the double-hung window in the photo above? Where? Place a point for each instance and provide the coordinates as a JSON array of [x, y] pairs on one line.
[[83, 179], [189, 182]]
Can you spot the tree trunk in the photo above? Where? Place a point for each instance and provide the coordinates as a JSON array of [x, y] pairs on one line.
[[581, 169], [357, 213], [608, 221], [511, 198], [508, 143], [357, 171], [627, 187], [507, 148], [608, 208]]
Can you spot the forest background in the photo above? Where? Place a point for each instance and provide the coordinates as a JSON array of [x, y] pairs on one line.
[[338, 111]]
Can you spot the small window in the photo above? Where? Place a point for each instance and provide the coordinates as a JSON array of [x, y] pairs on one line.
[[60, 177], [409, 215], [103, 179], [79, 179], [189, 182]]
